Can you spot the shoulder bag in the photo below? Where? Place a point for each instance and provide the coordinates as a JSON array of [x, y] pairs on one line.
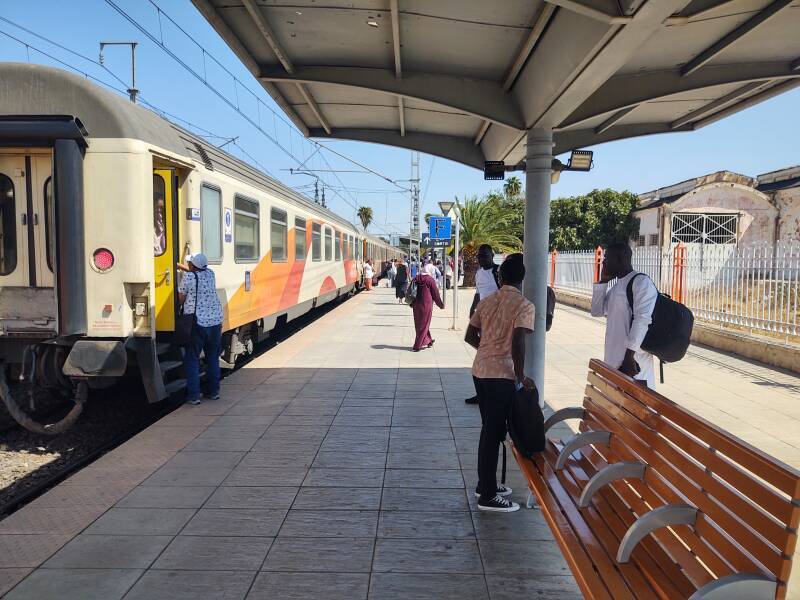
[[184, 324]]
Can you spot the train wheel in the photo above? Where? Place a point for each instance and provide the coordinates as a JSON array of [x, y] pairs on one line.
[[21, 417]]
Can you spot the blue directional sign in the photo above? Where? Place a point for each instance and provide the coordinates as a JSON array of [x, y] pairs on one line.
[[441, 228]]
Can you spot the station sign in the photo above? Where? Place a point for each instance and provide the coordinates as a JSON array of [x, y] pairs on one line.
[[440, 228]]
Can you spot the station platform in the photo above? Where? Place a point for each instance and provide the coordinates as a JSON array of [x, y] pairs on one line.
[[339, 464]]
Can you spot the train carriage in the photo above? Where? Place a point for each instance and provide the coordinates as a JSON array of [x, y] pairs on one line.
[[101, 198]]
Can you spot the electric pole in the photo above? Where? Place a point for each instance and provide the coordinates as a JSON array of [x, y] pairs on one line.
[[415, 233]]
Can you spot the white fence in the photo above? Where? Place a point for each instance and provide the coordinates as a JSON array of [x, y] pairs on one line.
[[751, 287]]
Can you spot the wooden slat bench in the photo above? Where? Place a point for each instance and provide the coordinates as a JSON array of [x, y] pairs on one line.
[[648, 500]]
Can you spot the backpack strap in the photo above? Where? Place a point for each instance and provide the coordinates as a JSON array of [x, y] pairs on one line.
[[495, 274], [503, 473], [629, 293]]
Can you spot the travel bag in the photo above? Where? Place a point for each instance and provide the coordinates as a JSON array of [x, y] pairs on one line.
[[526, 422], [184, 323]]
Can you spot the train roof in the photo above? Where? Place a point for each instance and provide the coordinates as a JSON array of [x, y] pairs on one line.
[[30, 89]]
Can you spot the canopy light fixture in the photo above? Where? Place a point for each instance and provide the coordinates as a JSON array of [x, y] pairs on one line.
[[579, 160]]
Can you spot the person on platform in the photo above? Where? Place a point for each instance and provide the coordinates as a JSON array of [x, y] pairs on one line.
[[369, 273], [427, 296], [392, 272], [625, 327], [486, 284], [198, 295], [401, 280], [497, 330]]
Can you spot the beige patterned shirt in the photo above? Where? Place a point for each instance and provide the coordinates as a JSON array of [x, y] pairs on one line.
[[497, 317]]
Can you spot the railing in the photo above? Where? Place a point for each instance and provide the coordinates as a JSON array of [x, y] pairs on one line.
[[748, 287]]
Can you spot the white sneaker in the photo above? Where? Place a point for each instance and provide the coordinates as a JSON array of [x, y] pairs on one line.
[[502, 490], [498, 504]]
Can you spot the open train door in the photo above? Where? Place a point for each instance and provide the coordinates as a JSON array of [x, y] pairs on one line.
[[165, 247]]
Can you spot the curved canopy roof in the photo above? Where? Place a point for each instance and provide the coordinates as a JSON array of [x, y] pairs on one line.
[[464, 79]]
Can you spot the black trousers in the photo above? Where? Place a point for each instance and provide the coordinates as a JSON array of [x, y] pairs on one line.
[[494, 401]]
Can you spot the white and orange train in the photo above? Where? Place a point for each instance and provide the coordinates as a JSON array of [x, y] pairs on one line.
[[101, 198]]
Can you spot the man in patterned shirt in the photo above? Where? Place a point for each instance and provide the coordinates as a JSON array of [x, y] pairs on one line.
[[198, 295], [498, 329]]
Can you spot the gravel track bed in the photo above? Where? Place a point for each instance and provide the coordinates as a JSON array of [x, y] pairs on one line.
[[27, 459]]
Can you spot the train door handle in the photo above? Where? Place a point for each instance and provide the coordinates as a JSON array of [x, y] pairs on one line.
[[167, 276], [36, 219], [24, 218]]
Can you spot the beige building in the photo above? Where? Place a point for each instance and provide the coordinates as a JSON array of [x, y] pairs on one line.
[[722, 208]]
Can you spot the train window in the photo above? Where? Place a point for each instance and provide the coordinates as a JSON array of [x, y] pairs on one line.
[[299, 239], [316, 242], [8, 227], [159, 216], [246, 230], [278, 234], [328, 244], [49, 223], [211, 222], [338, 245]]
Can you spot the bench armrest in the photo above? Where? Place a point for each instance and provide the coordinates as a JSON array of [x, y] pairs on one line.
[[739, 586], [614, 472], [579, 440], [572, 412], [663, 516]]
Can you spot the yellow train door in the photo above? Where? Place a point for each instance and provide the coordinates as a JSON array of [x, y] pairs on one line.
[[164, 244]]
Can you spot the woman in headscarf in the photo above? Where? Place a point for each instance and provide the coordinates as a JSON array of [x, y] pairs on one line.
[[427, 296], [401, 280]]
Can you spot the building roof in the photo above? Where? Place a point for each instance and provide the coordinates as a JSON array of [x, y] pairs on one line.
[[671, 193], [781, 179], [465, 79]]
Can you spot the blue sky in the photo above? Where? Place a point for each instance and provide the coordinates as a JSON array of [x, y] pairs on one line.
[[760, 139]]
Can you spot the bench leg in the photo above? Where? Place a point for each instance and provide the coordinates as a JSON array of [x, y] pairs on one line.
[[530, 501]]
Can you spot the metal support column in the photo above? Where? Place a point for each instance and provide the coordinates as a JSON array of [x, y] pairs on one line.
[[538, 168]]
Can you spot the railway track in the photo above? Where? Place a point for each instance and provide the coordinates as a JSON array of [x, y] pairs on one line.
[[106, 423]]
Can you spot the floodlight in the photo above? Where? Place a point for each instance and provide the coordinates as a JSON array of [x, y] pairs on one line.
[[446, 206], [580, 160], [494, 170]]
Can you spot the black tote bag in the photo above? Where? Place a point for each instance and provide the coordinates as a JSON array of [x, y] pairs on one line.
[[184, 324]]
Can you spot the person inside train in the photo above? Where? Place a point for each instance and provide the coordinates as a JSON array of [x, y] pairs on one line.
[[427, 296], [198, 295]]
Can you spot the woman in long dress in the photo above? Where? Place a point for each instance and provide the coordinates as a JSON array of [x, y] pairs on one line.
[[427, 296]]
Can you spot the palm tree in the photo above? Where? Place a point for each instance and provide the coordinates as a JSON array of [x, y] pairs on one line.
[[512, 188], [365, 216], [484, 222]]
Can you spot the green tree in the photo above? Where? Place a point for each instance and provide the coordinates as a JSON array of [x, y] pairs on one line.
[[598, 218], [485, 222], [365, 216], [512, 188]]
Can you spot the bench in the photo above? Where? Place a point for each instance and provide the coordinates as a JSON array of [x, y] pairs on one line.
[[648, 500]]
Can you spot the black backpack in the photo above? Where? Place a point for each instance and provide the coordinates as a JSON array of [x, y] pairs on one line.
[[526, 422], [670, 331]]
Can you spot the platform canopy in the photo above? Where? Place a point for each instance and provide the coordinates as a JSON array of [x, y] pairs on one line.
[[464, 79]]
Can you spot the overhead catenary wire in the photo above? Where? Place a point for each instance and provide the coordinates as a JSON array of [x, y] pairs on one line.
[[202, 131], [236, 106], [237, 84], [168, 115]]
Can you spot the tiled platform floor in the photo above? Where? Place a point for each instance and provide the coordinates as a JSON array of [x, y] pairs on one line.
[[340, 465]]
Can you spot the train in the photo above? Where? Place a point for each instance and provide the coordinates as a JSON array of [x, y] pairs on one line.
[[101, 199]]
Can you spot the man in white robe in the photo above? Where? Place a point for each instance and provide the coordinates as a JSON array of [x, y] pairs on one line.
[[625, 326]]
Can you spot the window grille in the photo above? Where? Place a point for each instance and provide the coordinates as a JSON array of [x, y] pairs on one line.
[[702, 228]]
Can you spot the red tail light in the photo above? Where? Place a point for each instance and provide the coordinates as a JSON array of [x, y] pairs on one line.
[[103, 259]]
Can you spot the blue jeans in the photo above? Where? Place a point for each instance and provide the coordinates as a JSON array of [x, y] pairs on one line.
[[207, 340]]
